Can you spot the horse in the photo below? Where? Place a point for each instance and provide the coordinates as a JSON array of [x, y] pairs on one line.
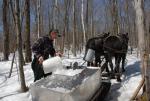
[[96, 44], [116, 46]]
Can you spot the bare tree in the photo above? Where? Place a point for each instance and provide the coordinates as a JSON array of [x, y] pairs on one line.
[[19, 45], [55, 13], [115, 17], [82, 19], [74, 28], [6, 29], [27, 32], [140, 22], [140, 28], [66, 24], [38, 17], [91, 18]]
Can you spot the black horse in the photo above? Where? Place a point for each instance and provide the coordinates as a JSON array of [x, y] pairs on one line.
[[116, 46], [96, 44]]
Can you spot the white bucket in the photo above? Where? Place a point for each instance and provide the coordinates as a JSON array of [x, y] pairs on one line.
[[90, 55], [52, 64]]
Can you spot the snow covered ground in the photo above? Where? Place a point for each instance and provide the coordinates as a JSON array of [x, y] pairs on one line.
[[10, 87]]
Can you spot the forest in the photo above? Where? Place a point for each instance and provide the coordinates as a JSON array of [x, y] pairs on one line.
[[22, 22], [77, 21]]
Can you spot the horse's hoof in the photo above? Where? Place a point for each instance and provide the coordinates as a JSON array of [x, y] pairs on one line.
[[118, 80]]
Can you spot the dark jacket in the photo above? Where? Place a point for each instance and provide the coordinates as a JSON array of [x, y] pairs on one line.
[[43, 47]]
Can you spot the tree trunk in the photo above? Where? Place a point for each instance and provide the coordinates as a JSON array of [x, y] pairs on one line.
[[38, 17], [74, 29], [91, 19], [140, 29], [66, 20], [19, 45], [55, 14], [6, 29], [82, 19], [27, 32], [140, 21], [115, 17], [127, 15]]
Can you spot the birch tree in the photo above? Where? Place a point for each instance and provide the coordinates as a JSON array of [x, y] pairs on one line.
[[82, 19], [91, 18], [19, 45], [140, 23], [74, 28]]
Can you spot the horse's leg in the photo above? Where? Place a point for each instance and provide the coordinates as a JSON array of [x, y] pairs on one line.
[[88, 63], [115, 69], [118, 59], [110, 62], [108, 58], [92, 64], [105, 65], [123, 62], [97, 60]]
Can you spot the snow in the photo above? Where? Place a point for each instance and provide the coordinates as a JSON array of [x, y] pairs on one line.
[[10, 87], [130, 80], [69, 72]]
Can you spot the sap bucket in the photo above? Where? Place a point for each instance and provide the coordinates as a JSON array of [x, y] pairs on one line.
[[52, 64], [89, 56]]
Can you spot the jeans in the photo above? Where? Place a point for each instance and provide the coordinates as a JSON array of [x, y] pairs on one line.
[[38, 70]]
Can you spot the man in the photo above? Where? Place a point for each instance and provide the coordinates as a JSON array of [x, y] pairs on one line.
[[42, 48]]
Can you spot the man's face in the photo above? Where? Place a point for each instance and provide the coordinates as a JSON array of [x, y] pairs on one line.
[[53, 35]]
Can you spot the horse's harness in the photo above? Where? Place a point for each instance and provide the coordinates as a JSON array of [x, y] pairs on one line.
[[121, 51]]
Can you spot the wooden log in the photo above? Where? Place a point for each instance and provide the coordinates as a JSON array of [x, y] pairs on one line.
[[138, 89]]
